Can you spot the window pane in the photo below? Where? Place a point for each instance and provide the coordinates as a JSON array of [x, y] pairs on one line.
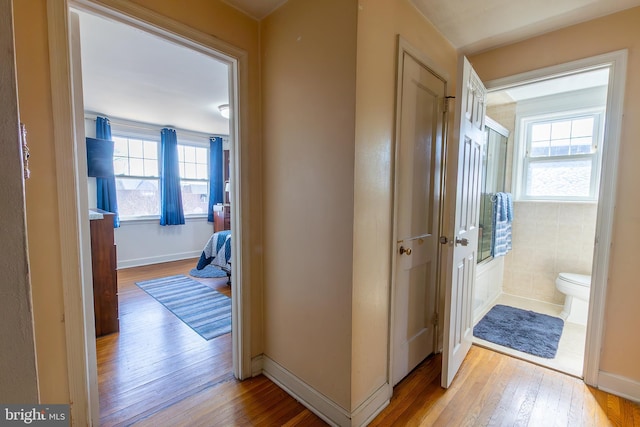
[[180, 153], [150, 149], [560, 147], [136, 167], [539, 148], [189, 171], [189, 154], [201, 171], [561, 130], [541, 132], [135, 148], [202, 154], [151, 167], [120, 147], [571, 178], [137, 196], [581, 145], [194, 197], [120, 166], [582, 127]]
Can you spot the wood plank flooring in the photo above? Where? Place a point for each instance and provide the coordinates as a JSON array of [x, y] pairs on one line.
[[158, 372]]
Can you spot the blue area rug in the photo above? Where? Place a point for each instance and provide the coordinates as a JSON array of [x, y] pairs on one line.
[[208, 272], [522, 330], [204, 310]]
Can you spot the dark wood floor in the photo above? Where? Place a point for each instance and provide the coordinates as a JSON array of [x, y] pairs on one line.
[[158, 372]]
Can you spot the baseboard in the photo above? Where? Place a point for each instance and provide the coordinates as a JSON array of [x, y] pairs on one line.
[[137, 262], [256, 365], [370, 408], [619, 385], [321, 405], [316, 402]]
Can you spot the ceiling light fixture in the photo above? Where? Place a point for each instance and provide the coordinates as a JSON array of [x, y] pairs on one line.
[[224, 110]]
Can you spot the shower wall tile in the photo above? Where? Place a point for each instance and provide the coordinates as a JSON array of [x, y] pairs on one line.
[[548, 238]]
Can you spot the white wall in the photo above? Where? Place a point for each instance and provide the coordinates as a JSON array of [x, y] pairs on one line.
[[147, 242], [489, 280]]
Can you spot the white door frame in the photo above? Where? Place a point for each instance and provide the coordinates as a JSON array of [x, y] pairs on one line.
[[404, 47], [73, 204], [617, 62]]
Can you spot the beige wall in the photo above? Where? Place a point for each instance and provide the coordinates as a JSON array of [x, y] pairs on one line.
[[18, 375], [34, 93], [351, 300], [620, 353], [379, 22], [34, 88], [308, 82]]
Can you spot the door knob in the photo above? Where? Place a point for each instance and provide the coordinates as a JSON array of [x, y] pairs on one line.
[[403, 250], [463, 241]]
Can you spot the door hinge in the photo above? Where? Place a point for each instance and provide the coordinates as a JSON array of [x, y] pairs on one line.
[[445, 103], [434, 320]]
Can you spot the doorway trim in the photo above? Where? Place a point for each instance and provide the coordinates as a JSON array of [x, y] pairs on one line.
[[73, 205], [617, 62], [403, 46]]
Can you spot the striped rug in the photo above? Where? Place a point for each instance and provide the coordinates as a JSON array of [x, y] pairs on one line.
[[204, 310]]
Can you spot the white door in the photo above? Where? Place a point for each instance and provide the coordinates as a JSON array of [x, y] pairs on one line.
[[418, 181], [458, 319]]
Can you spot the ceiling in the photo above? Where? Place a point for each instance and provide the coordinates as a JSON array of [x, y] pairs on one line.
[[257, 9], [130, 74], [570, 83], [475, 25], [472, 25]]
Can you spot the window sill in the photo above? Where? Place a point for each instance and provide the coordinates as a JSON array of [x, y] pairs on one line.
[[576, 202], [155, 219]]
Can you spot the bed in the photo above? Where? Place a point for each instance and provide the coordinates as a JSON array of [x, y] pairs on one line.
[[217, 252]]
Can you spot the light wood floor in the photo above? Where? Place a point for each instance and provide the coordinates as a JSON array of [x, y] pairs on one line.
[[158, 372]]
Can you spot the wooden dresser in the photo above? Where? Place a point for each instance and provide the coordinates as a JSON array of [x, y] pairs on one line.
[[222, 218], [105, 281]]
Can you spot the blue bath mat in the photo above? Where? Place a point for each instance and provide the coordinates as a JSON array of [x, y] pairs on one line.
[[522, 330]]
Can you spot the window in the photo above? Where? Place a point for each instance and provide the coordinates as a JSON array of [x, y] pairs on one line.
[[135, 164], [194, 174], [137, 169], [561, 157]]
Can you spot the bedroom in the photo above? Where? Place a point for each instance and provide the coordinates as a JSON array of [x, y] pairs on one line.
[[142, 84]]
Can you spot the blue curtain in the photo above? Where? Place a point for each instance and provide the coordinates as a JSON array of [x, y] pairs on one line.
[[106, 187], [216, 174], [171, 212]]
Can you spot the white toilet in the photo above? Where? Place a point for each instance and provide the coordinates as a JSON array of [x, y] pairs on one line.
[[576, 287]]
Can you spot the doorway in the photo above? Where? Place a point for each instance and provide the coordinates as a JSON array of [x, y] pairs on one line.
[[142, 83], [563, 200], [76, 268]]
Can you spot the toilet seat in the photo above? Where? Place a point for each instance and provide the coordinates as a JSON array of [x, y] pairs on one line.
[[576, 279]]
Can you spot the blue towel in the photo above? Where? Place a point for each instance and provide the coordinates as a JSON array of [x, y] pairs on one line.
[[502, 218]]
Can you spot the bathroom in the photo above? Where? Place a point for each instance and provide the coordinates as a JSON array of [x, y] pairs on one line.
[[543, 147]]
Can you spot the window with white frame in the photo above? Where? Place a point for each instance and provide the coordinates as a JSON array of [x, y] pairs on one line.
[[136, 167], [135, 163], [194, 178], [561, 156]]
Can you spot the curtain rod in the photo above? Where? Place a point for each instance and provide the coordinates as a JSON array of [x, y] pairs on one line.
[[150, 126]]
